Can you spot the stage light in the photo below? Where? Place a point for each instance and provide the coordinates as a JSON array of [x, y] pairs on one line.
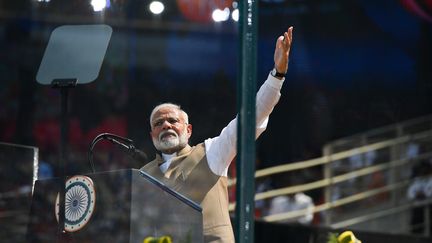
[[235, 15], [98, 5], [156, 7], [221, 15]]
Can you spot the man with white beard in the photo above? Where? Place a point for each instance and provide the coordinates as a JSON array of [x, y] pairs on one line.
[[200, 172]]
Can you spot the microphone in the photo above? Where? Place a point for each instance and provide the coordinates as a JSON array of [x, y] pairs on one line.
[[125, 143], [130, 149], [139, 155]]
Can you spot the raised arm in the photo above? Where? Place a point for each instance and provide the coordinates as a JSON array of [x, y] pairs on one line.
[[222, 149]]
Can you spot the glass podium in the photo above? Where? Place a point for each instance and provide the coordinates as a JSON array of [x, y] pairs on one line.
[[116, 206]]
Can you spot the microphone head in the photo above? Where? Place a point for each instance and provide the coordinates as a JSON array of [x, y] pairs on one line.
[[140, 156]]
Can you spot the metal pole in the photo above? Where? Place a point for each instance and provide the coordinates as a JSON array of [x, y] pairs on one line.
[[63, 161], [63, 85], [427, 220], [328, 190], [246, 95]]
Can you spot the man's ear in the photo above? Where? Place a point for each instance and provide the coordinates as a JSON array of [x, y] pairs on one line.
[[189, 129]]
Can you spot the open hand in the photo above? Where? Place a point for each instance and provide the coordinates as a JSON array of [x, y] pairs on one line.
[[282, 50]]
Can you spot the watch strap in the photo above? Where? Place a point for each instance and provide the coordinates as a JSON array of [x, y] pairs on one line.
[[277, 74]]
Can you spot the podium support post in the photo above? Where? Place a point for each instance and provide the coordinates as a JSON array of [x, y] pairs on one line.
[[64, 85]]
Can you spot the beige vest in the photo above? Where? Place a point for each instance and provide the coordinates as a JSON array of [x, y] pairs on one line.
[[190, 175]]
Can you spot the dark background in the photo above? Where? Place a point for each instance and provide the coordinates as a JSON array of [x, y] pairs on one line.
[[355, 65]]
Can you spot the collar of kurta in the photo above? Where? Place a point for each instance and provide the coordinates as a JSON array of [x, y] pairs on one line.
[[184, 151]]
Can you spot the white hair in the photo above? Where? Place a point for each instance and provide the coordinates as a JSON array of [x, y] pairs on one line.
[[169, 105]]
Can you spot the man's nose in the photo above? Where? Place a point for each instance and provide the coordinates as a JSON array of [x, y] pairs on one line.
[[166, 125]]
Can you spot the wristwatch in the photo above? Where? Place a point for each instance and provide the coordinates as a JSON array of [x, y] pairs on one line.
[[276, 74]]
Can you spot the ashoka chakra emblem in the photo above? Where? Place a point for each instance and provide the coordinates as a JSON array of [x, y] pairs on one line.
[[80, 198]]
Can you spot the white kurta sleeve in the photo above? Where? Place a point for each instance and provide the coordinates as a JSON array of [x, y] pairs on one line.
[[221, 150]]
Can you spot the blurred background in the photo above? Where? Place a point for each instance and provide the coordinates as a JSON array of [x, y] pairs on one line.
[[360, 75]]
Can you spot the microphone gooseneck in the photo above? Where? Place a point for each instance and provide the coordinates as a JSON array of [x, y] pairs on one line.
[[125, 143]]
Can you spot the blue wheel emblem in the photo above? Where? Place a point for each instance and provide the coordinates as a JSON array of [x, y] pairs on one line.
[[80, 199]]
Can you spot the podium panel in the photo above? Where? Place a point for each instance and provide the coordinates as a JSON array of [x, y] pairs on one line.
[[128, 206], [18, 167]]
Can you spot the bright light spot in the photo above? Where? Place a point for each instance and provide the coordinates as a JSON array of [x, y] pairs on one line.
[[221, 15], [235, 15], [98, 5], [43, 1], [156, 7]]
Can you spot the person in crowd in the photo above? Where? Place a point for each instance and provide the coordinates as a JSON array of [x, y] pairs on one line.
[[296, 202], [420, 191]]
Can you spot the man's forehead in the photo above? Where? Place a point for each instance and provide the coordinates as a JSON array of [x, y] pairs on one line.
[[164, 112]]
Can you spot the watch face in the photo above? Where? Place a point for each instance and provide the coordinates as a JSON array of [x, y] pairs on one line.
[[274, 73]]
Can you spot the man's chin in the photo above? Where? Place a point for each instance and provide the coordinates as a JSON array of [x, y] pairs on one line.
[[164, 147], [169, 146]]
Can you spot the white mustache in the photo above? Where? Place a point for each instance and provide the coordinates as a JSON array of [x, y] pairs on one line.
[[169, 131]]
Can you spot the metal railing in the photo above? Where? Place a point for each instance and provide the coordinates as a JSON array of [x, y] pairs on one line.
[[365, 180]]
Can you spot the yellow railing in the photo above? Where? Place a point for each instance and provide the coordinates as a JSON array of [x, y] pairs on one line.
[[394, 165]]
